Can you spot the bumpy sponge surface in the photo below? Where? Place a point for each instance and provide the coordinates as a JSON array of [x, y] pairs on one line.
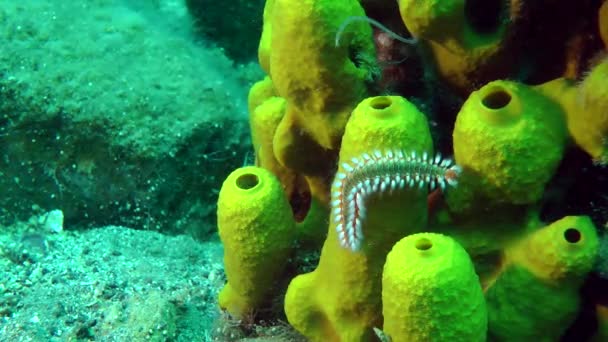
[[257, 229], [536, 296], [430, 292]]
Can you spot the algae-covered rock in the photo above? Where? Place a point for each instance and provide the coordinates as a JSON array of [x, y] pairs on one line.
[[115, 116]]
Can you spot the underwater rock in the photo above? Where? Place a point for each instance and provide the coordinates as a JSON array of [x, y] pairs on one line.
[[239, 38], [113, 116]]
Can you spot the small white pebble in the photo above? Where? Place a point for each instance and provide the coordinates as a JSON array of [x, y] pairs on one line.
[[53, 221]]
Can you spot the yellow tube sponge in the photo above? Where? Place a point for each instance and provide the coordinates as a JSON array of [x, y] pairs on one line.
[[265, 113], [586, 108], [430, 292], [536, 296], [321, 82], [259, 92], [341, 299], [463, 54], [589, 126], [257, 229], [265, 48], [509, 140], [263, 122]]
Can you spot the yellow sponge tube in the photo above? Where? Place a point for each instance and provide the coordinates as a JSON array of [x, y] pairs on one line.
[[536, 296], [340, 300], [257, 229], [509, 139], [430, 292]]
